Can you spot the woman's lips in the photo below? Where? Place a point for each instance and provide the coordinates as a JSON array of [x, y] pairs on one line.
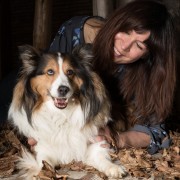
[[117, 53]]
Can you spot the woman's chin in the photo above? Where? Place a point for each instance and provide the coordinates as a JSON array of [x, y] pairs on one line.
[[118, 59]]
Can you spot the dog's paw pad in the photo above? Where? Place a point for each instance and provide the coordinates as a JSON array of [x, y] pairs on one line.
[[116, 171]]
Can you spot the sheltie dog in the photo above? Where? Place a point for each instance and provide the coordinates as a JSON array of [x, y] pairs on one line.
[[60, 102]]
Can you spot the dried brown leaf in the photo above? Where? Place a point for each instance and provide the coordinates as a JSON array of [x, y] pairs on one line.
[[47, 166], [144, 163], [176, 149], [13, 139], [77, 166], [138, 173]]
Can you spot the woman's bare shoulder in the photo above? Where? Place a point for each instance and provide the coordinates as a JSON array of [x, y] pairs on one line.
[[91, 28]]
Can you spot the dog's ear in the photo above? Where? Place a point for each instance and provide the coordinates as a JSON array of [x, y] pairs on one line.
[[92, 87], [27, 52], [84, 54], [29, 56]]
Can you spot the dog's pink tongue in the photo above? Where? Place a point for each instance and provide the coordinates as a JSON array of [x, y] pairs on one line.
[[60, 103]]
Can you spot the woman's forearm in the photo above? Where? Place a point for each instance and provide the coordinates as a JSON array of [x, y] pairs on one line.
[[132, 139]]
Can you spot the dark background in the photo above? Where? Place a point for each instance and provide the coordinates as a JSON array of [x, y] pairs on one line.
[[16, 25]]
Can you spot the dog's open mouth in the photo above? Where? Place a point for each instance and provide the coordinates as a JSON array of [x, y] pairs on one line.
[[60, 102]]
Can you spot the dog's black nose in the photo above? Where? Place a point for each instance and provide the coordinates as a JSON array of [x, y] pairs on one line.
[[63, 90]]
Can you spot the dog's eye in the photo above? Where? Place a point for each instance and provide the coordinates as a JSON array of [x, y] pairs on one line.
[[70, 72], [50, 72]]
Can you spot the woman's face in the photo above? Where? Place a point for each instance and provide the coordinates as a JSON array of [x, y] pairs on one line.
[[130, 46]]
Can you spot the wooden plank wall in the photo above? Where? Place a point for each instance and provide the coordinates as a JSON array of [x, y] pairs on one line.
[[17, 20]]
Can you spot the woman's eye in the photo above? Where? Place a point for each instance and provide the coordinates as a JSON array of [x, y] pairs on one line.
[[70, 72], [139, 46], [50, 72]]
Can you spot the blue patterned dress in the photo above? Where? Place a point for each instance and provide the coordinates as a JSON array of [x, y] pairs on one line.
[[69, 35]]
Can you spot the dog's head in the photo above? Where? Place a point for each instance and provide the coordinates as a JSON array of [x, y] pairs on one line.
[[60, 78]]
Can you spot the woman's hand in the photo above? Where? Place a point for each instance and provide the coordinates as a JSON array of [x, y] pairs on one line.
[[104, 134], [32, 142], [101, 138]]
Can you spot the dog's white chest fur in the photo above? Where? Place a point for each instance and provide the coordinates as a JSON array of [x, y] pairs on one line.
[[59, 133]]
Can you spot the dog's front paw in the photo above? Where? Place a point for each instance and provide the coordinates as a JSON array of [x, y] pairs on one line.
[[116, 171]]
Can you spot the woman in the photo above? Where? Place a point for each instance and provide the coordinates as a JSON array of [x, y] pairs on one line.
[[134, 53], [135, 56], [142, 44]]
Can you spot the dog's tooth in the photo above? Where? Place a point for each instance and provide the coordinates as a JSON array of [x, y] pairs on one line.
[[55, 100]]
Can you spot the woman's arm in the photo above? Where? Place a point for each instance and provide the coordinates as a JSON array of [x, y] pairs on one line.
[[153, 137], [133, 139], [91, 28], [126, 139]]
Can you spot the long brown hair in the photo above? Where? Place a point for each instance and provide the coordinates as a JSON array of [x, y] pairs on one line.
[[147, 84]]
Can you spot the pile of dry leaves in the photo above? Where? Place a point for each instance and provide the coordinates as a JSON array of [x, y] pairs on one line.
[[140, 165]]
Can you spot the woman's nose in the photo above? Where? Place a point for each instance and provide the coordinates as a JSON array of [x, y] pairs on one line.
[[126, 45]]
